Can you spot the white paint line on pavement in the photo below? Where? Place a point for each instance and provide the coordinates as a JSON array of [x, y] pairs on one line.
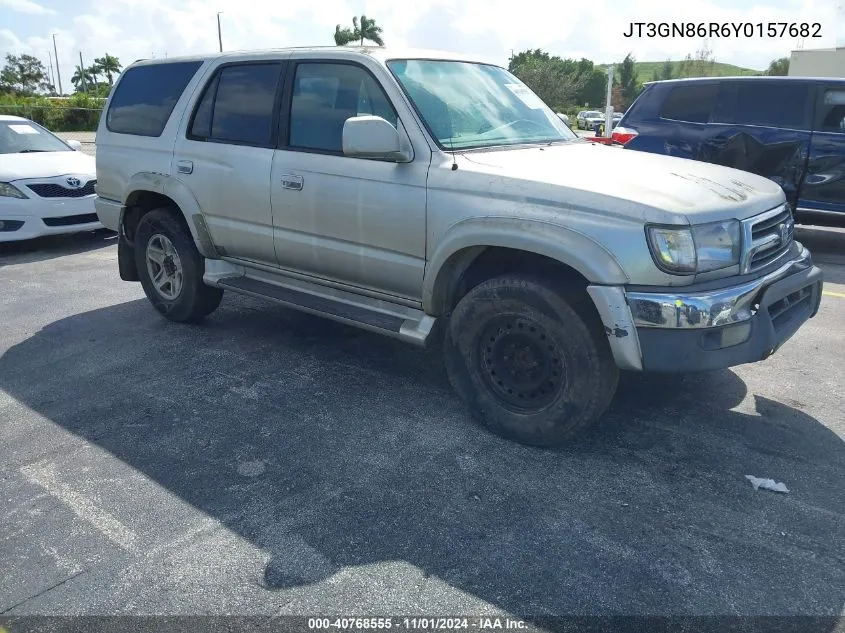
[[44, 474]]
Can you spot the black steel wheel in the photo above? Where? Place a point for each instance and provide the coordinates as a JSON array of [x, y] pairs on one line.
[[530, 366]]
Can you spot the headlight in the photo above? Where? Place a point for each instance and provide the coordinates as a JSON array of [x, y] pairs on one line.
[[8, 191], [695, 249]]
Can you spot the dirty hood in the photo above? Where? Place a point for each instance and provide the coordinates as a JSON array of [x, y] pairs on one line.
[[653, 187], [45, 165]]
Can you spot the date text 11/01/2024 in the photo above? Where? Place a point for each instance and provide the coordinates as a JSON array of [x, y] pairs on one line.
[[723, 29], [481, 623]]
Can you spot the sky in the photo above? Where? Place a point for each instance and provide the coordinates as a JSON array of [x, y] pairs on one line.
[[490, 29]]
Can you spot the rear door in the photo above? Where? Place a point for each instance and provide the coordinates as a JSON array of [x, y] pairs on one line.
[[225, 156], [823, 189], [764, 127]]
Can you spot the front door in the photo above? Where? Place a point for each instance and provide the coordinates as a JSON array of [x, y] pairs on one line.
[[823, 188], [225, 156], [356, 221]]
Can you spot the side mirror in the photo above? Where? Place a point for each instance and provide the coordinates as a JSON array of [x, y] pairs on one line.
[[74, 145], [373, 137]]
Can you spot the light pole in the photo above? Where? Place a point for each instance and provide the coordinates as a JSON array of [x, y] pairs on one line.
[[219, 33], [608, 109], [58, 72]]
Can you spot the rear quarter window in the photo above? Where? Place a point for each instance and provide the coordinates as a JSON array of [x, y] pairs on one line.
[[692, 103], [145, 97]]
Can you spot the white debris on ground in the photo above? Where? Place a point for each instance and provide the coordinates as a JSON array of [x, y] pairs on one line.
[[767, 484]]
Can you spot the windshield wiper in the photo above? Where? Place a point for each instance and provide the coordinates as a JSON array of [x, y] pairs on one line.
[[29, 151]]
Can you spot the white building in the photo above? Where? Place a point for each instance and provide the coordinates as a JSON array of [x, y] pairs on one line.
[[821, 62]]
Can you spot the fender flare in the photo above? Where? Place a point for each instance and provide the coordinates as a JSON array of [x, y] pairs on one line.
[[465, 240], [183, 199]]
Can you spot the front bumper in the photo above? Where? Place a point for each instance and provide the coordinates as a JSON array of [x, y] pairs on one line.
[[23, 219], [686, 331]]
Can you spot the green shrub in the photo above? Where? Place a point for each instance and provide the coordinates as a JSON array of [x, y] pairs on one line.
[[78, 113]]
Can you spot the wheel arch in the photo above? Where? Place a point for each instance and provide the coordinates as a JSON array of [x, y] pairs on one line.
[[147, 191], [473, 249]]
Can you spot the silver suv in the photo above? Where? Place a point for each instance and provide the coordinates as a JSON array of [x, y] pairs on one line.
[[401, 190]]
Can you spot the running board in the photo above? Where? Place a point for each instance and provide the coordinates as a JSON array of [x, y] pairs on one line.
[[394, 320]]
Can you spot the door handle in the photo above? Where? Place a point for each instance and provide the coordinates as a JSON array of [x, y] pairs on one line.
[[184, 166], [291, 181]]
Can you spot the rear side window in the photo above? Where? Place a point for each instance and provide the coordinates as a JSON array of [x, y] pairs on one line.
[[692, 103], [145, 97], [239, 105], [769, 104]]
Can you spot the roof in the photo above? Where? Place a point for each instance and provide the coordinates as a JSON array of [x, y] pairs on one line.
[[377, 52], [747, 78], [11, 117], [805, 51]]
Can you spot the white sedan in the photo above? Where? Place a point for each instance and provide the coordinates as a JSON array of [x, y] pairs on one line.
[[46, 184]]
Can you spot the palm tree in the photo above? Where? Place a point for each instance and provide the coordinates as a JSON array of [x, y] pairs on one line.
[[94, 72], [365, 30], [81, 78], [109, 65]]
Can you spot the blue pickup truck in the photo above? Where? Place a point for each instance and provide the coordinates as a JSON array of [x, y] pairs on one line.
[[788, 129]]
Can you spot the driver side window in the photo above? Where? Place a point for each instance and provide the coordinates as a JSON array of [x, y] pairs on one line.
[[325, 95]]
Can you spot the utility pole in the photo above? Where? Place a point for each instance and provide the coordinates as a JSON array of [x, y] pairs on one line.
[[608, 110], [58, 71], [82, 73], [219, 32]]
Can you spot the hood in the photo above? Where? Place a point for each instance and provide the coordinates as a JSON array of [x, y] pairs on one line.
[[45, 165], [653, 187]]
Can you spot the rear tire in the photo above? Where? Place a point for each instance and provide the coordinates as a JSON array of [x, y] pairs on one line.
[[527, 363], [171, 268]]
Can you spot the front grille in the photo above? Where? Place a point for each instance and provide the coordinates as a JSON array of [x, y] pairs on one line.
[[52, 190], [767, 238], [70, 220]]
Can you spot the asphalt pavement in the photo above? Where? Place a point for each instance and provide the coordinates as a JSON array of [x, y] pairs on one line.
[[270, 462]]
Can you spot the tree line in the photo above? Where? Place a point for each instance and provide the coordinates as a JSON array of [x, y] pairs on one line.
[[25, 76], [567, 84]]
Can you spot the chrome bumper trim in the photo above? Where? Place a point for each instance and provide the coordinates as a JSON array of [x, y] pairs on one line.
[[707, 309]]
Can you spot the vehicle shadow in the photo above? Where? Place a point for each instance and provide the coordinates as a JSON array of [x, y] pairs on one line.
[[44, 248], [331, 448]]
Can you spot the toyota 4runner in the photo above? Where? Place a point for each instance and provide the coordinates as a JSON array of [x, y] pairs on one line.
[[396, 191]]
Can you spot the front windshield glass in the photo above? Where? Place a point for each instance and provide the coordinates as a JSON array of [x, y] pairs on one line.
[[468, 105], [22, 137]]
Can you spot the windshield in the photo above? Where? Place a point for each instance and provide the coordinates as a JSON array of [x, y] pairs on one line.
[[590, 115], [21, 137], [467, 105]]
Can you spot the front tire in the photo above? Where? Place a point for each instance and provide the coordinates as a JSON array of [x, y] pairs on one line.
[[527, 363], [170, 269]]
